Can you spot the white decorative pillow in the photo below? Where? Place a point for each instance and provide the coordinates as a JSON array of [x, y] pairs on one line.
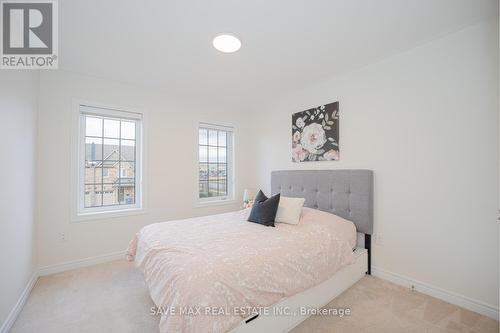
[[289, 210]]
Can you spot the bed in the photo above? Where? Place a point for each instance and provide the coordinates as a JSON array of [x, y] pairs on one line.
[[221, 273]]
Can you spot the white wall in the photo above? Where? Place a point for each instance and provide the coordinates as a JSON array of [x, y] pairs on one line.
[[18, 111], [426, 122], [170, 163]]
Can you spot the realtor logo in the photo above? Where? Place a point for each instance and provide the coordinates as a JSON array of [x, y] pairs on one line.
[[29, 34]]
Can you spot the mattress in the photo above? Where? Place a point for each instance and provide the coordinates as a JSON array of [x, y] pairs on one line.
[[207, 274]]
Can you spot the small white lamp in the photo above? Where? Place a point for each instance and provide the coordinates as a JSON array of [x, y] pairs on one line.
[[248, 196]]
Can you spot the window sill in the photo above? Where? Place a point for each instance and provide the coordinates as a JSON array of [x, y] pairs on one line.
[[108, 214], [201, 204]]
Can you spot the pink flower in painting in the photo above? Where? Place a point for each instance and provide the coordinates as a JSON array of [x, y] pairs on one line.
[[298, 154], [313, 137], [331, 155], [296, 136]]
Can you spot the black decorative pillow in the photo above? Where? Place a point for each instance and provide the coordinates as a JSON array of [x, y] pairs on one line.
[[264, 209]]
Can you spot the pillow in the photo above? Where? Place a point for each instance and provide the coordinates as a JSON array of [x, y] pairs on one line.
[[345, 229], [264, 209], [289, 210]]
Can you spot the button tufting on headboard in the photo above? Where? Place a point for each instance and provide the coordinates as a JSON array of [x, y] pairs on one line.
[[347, 193]]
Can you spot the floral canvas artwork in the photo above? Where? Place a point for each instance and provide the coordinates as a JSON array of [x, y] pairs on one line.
[[315, 134]]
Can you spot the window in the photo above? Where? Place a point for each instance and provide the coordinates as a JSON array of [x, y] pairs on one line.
[[109, 160], [215, 163]]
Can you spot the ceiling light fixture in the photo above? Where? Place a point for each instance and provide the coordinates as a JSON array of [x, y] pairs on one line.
[[226, 43]]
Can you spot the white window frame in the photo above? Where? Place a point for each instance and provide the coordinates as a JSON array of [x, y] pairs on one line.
[[230, 160], [82, 212]]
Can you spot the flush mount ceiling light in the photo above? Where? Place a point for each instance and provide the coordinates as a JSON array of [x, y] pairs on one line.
[[226, 43]]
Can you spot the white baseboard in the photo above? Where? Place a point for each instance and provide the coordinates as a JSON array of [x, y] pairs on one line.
[[447, 296], [11, 318], [66, 266]]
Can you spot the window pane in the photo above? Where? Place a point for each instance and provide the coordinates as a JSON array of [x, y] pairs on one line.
[[110, 195], [222, 138], [203, 154], [216, 168], [93, 126], [93, 149], [212, 154], [212, 138], [111, 128], [222, 189], [203, 136], [128, 130], [203, 189], [222, 172], [127, 173], [213, 189], [128, 150], [93, 172], [93, 195], [212, 172], [111, 147], [203, 172], [222, 155], [126, 195], [110, 158], [110, 171]]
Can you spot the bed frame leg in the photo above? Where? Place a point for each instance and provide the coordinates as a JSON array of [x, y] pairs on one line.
[[368, 247]]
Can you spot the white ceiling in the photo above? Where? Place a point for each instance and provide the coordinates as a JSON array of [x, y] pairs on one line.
[[286, 44]]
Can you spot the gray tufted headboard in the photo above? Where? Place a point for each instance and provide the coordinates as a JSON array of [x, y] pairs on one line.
[[346, 193]]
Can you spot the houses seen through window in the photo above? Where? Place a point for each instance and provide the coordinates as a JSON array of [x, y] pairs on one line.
[[110, 163]]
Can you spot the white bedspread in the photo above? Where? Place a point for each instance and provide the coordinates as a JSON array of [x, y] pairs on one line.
[[224, 262]]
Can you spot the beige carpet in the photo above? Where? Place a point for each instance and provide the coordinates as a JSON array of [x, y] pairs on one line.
[[112, 297]]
